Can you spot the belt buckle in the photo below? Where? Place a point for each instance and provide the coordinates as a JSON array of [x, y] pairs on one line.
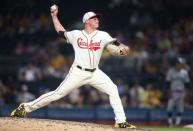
[[83, 68]]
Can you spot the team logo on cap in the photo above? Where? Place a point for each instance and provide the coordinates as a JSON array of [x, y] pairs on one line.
[[93, 46]]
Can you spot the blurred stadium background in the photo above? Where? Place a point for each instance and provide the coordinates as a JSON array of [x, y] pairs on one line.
[[33, 60]]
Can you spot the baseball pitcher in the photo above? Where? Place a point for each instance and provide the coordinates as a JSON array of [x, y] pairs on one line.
[[177, 78], [88, 45]]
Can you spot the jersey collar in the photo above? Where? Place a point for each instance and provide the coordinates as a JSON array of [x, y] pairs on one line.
[[89, 35]]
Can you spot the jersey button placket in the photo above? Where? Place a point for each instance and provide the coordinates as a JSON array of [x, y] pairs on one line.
[[88, 44]]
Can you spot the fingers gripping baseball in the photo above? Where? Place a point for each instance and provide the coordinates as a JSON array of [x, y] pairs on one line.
[[124, 50], [54, 10], [120, 50]]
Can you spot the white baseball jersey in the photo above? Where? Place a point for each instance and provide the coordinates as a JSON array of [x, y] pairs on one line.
[[88, 48]]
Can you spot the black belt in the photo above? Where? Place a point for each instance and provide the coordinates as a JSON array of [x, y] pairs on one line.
[[86, 69]]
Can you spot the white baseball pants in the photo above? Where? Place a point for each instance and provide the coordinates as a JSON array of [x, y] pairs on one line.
[[76, 78]]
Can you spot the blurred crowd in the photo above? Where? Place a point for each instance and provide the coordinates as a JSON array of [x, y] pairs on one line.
[[33, 60]]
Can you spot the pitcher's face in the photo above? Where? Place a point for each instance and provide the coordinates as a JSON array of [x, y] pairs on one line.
[[94, 22]]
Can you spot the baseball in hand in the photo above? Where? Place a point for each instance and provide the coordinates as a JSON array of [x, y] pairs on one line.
[[124, 50], [53, 8]]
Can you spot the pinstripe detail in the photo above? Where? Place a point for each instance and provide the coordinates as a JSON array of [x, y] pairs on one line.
[[56, 89], [92, 50], [87, 48]]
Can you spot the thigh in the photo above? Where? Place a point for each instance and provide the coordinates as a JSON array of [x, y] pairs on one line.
[[170, 105], [180, 102], [172, 101], [73, 80], [103, 83]]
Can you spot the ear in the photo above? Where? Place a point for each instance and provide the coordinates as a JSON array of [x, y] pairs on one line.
[[87, 21]]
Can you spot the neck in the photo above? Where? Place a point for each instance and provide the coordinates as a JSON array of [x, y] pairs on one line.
[[89, 30]]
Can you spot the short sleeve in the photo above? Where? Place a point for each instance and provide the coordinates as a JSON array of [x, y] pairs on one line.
[[169, 75], [107, 38], [69, 36]]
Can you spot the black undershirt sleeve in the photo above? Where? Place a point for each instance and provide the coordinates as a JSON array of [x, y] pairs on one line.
[[116, 43], [61, 34]]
